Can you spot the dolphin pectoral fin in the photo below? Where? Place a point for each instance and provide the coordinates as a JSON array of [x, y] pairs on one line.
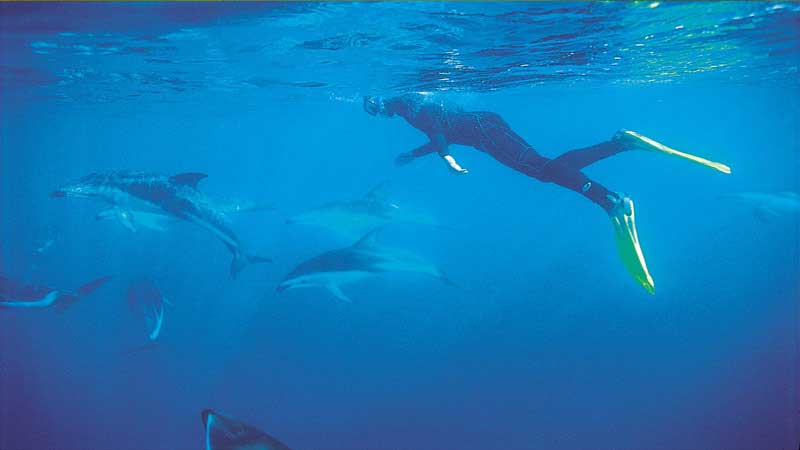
[[122, 215], [125, 218], [337, 292], [106, 214]]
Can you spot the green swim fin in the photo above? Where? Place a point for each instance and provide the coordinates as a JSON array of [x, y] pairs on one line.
[[642, 142], [623, 219]]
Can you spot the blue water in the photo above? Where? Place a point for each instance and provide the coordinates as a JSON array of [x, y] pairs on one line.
[[546, 342]]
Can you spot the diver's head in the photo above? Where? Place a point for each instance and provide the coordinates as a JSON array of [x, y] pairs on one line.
[[374, 105]]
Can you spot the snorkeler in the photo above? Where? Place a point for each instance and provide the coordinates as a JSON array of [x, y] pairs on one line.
[[446, 124]]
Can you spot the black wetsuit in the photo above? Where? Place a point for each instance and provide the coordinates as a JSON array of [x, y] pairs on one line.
[[486, 131]]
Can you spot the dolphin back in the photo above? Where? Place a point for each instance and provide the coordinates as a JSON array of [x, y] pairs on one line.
[[225, 433]]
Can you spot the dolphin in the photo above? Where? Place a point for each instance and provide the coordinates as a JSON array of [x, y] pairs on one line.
[[18, 294], [161, 220], [146, 300], [142, 196], [224, 433], [361, 260], [769, 206], [352, 218]]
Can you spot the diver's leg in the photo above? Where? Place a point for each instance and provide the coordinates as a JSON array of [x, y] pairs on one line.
[[552, 171], [582, 157], [500, 141], [619, 208], [625, 140]]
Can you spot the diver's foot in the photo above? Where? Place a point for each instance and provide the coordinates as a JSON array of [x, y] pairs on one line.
[[623, 204], [623, 219], [632, 140]]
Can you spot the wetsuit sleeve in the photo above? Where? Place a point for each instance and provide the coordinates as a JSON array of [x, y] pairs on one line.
[[434, 145]]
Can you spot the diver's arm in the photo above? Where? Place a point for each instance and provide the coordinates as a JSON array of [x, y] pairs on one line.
[[451, 162], [436, 145]]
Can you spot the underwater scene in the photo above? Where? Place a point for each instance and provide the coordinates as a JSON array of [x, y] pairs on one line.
[[400, 226]]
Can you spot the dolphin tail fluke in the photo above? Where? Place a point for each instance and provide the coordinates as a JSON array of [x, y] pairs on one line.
[[91, 286], [242, 260], [68, 299], [444, 279]]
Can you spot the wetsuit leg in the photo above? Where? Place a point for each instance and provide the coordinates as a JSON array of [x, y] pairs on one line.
[[552, 171], [582, 157], [504, 145]]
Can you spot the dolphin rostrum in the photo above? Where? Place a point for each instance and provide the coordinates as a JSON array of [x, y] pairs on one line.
[[17, 294], [224, 433], [361, 260], [142, 196], [352, 218]]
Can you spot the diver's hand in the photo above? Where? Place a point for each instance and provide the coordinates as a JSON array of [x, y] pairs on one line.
[[403, 159], [454, 167]]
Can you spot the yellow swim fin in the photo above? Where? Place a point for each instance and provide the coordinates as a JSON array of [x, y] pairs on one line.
[[623, 219], [642, 142]]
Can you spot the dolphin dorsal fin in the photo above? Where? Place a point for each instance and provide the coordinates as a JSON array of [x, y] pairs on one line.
[[337, 292], [188, 179], [369, 240], [378, 192]]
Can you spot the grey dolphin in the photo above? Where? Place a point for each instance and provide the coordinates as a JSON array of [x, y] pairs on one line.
[[152, 195], [361, 260], [17, 294], [352, 218], [769, 206], [225, 433]]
